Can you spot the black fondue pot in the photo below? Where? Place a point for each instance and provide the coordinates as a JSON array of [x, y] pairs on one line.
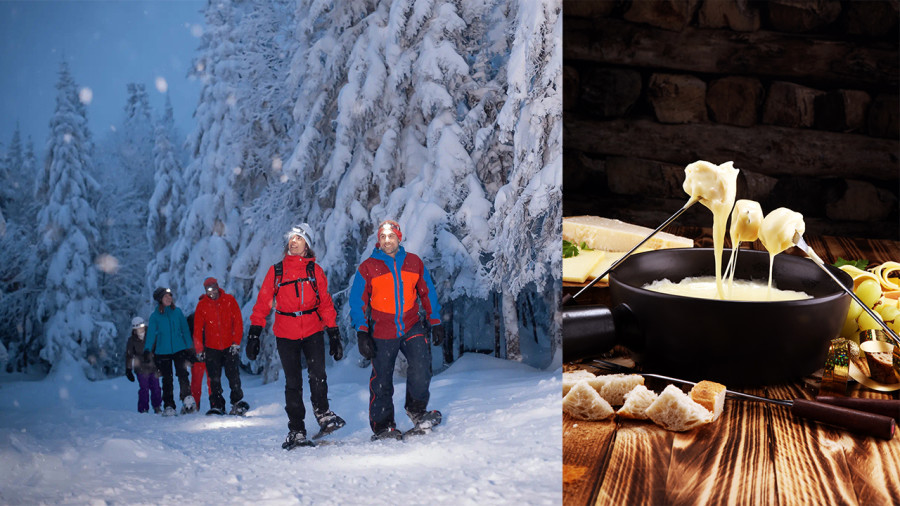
[[735, 343]]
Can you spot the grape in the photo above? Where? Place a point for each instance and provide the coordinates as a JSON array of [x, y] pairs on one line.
[[888, 313], [866, 322], [895, 325], [869, 291], [854, 311]]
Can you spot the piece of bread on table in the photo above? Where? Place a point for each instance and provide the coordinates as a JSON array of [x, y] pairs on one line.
[[674, 410], [710, 395], [584, 403], [572, 377], [617, 385], [636, 403]]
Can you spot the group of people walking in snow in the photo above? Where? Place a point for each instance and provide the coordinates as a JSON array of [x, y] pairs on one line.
[[168, 344], [388, 291]]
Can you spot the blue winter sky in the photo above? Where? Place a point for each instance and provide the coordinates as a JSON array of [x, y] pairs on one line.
[[107, 44]]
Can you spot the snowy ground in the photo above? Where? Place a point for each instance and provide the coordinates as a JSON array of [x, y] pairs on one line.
[[65, 440]]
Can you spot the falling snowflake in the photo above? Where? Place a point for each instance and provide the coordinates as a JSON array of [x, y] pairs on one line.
[[107, 263], [85, 95], [161, 85]]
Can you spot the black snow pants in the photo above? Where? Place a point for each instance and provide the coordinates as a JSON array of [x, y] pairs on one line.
[[416, 348], [215, 361], [313, 348], [182, 363]]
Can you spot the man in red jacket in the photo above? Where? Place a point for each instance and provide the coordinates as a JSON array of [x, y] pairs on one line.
[[218, 328]]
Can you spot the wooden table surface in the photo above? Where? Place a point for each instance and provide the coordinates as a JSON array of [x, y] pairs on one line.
[[756, 453]]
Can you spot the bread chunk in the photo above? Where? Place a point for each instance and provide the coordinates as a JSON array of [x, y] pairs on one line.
[[584, 403], [636, 403], [572, 377], [617, 385], [675, 411], [710, 395]]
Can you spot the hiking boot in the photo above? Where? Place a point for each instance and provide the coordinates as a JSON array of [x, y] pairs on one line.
[[239, 408], [426, 419], [389, 433], [169, 411], [157, 409], [294, 439], [189, 405], [329, 422], [215, 411]]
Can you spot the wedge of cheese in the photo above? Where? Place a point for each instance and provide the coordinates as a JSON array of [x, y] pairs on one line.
[[609, 258], [613, 235], [577, 268]]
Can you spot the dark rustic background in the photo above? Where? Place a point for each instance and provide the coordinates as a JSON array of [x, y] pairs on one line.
[[801, 94]]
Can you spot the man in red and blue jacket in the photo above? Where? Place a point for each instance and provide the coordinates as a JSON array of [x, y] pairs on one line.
[[389, 289]]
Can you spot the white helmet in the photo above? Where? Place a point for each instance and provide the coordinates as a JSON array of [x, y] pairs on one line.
[[137, 322]]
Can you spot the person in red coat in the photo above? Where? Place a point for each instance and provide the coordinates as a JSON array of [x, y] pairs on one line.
[[218, 328], [297, 289]]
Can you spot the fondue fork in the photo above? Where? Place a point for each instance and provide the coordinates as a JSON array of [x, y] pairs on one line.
[[863, 422], [800, 243]]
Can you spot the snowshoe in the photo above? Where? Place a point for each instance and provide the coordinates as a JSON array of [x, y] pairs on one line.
[[427, 419], [169, 411], [328, 423], [295, 439], [239, 409], [215, 411], [189, 405], [423, 423], [389, 433]]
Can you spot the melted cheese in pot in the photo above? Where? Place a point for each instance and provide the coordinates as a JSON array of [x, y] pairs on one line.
[[704, 287], [715, 187]]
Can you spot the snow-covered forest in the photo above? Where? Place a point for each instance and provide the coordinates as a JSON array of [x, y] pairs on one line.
[[442, 114]]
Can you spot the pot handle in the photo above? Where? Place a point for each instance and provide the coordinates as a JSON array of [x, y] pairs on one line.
[[587, 331], [628, 328]]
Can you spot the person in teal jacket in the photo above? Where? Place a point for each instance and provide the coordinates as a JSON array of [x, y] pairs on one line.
[[169, 343]]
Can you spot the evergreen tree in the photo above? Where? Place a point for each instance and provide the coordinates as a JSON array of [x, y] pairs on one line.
[[18, 269], [125, 165], [527, 218], [73, 316], [167, 203]]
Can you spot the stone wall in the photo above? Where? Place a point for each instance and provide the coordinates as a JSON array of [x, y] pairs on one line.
[[802, 95]]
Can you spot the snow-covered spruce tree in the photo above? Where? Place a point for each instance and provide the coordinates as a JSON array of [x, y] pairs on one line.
[[125, 164], [241, 127], [18, 250], [73, 316], [403, 97], [167, 203], [525, 227]]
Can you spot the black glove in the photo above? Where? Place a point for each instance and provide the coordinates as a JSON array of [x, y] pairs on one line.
[[253, 341], [366, 344], [129, 375], [335, 344], [437, 334]]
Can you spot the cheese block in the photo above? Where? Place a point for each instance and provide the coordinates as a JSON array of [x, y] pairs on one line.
[[613, 235], [577, 268]]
